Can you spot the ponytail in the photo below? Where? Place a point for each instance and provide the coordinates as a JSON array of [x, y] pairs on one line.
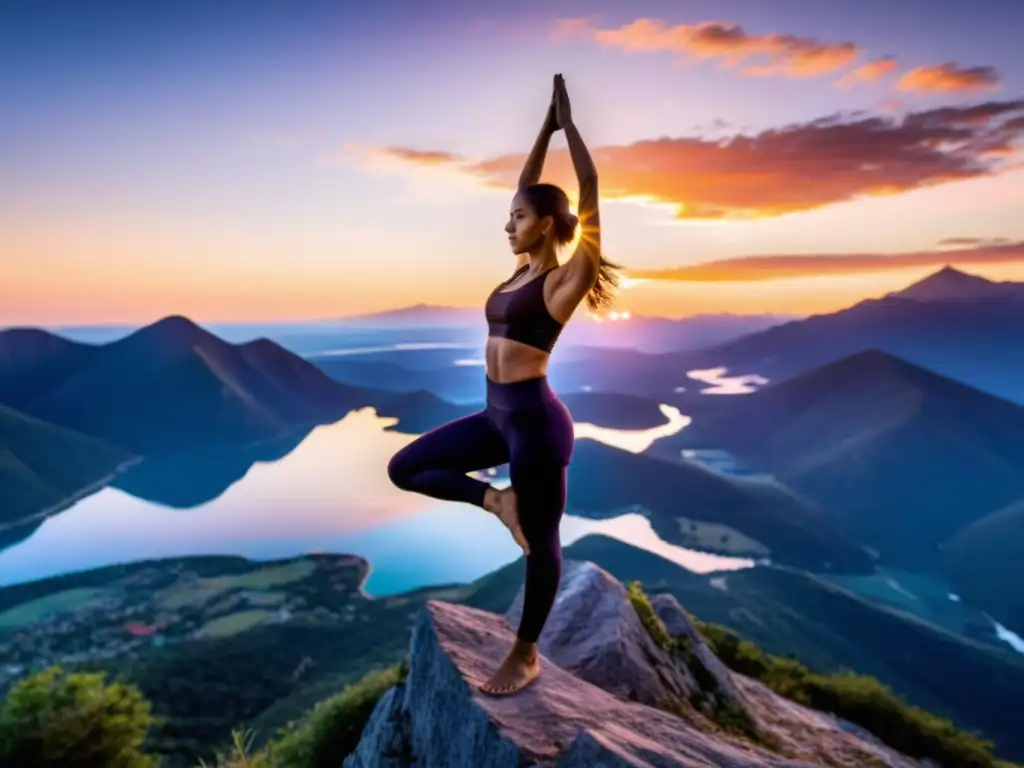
[[602, 295]]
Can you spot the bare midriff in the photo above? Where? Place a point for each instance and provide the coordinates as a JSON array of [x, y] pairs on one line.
[[511, 361]]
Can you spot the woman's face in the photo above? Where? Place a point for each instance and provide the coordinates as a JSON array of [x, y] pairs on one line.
[[525, 230]]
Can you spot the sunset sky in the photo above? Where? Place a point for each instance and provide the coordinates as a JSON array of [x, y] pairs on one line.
[[269, 160]]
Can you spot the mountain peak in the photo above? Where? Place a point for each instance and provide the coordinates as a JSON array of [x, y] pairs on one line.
[[174, 322], [173, 329], [871, 354], [951, 283], [863, 369]]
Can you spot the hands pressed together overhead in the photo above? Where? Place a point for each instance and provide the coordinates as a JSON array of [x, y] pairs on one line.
[[559, 112]]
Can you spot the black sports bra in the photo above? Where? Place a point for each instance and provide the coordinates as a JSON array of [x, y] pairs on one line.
[[521, 314]]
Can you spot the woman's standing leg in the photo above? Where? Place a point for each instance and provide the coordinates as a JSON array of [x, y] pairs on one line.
[[540, 492], [541, 442]]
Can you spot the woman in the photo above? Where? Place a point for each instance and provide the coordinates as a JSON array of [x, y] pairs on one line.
[[524, 423]]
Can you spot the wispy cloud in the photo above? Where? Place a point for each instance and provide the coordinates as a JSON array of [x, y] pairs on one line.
[[424, 158], [974, 242], [773, 53], [949, 77], [866, 73], [795, 168], [391, 159], [765, 268], [778, 54]]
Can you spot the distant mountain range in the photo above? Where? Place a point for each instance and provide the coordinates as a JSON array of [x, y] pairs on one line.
[[904, 456], [167, 387], [955, 324], [950, 284], [423, 321]]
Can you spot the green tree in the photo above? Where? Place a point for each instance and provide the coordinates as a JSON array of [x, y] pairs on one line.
[[74, 720]]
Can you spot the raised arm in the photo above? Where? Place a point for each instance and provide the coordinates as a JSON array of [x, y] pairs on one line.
[[535, 162], [583, 268]]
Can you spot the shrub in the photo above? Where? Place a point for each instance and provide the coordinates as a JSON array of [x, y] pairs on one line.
[[645, 611], [860, 699], [53, 718], [240, 754], [332, 729]]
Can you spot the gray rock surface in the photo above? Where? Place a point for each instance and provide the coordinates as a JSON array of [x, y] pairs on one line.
[[385, 739], [439, 719], [594, 633], [679, 625]]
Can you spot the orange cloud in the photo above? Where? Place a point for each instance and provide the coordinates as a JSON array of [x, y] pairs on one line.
[[778, 54], [423, 158], [795, 168], [782, 54], [949, 78], [765, 268], [865, 73]]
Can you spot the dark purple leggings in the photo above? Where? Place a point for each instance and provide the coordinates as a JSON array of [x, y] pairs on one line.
[[526, 426]]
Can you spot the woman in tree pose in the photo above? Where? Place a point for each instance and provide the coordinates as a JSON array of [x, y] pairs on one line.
[[524, 423]]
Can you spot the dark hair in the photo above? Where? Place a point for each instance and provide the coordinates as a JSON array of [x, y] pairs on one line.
[[551, 200]]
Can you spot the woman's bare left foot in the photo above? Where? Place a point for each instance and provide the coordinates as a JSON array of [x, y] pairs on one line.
[[514, 674], [505, 506]]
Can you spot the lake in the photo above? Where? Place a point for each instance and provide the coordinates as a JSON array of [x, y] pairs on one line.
[[328, 493]]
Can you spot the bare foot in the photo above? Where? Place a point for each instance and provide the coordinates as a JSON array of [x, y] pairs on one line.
[[515, 673], [503, 505]]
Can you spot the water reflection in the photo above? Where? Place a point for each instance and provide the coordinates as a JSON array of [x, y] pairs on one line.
[[634, 440], [331, 493], [636, 529], [208, 473], [727, 385], [1009, 637]]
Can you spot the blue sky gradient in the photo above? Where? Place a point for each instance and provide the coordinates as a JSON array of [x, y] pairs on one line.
[[223, 159]]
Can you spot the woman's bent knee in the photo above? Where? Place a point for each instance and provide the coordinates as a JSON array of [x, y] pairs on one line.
[[399, 472]]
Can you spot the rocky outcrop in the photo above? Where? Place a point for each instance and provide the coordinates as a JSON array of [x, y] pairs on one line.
[[595, 633], [607, 706]]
